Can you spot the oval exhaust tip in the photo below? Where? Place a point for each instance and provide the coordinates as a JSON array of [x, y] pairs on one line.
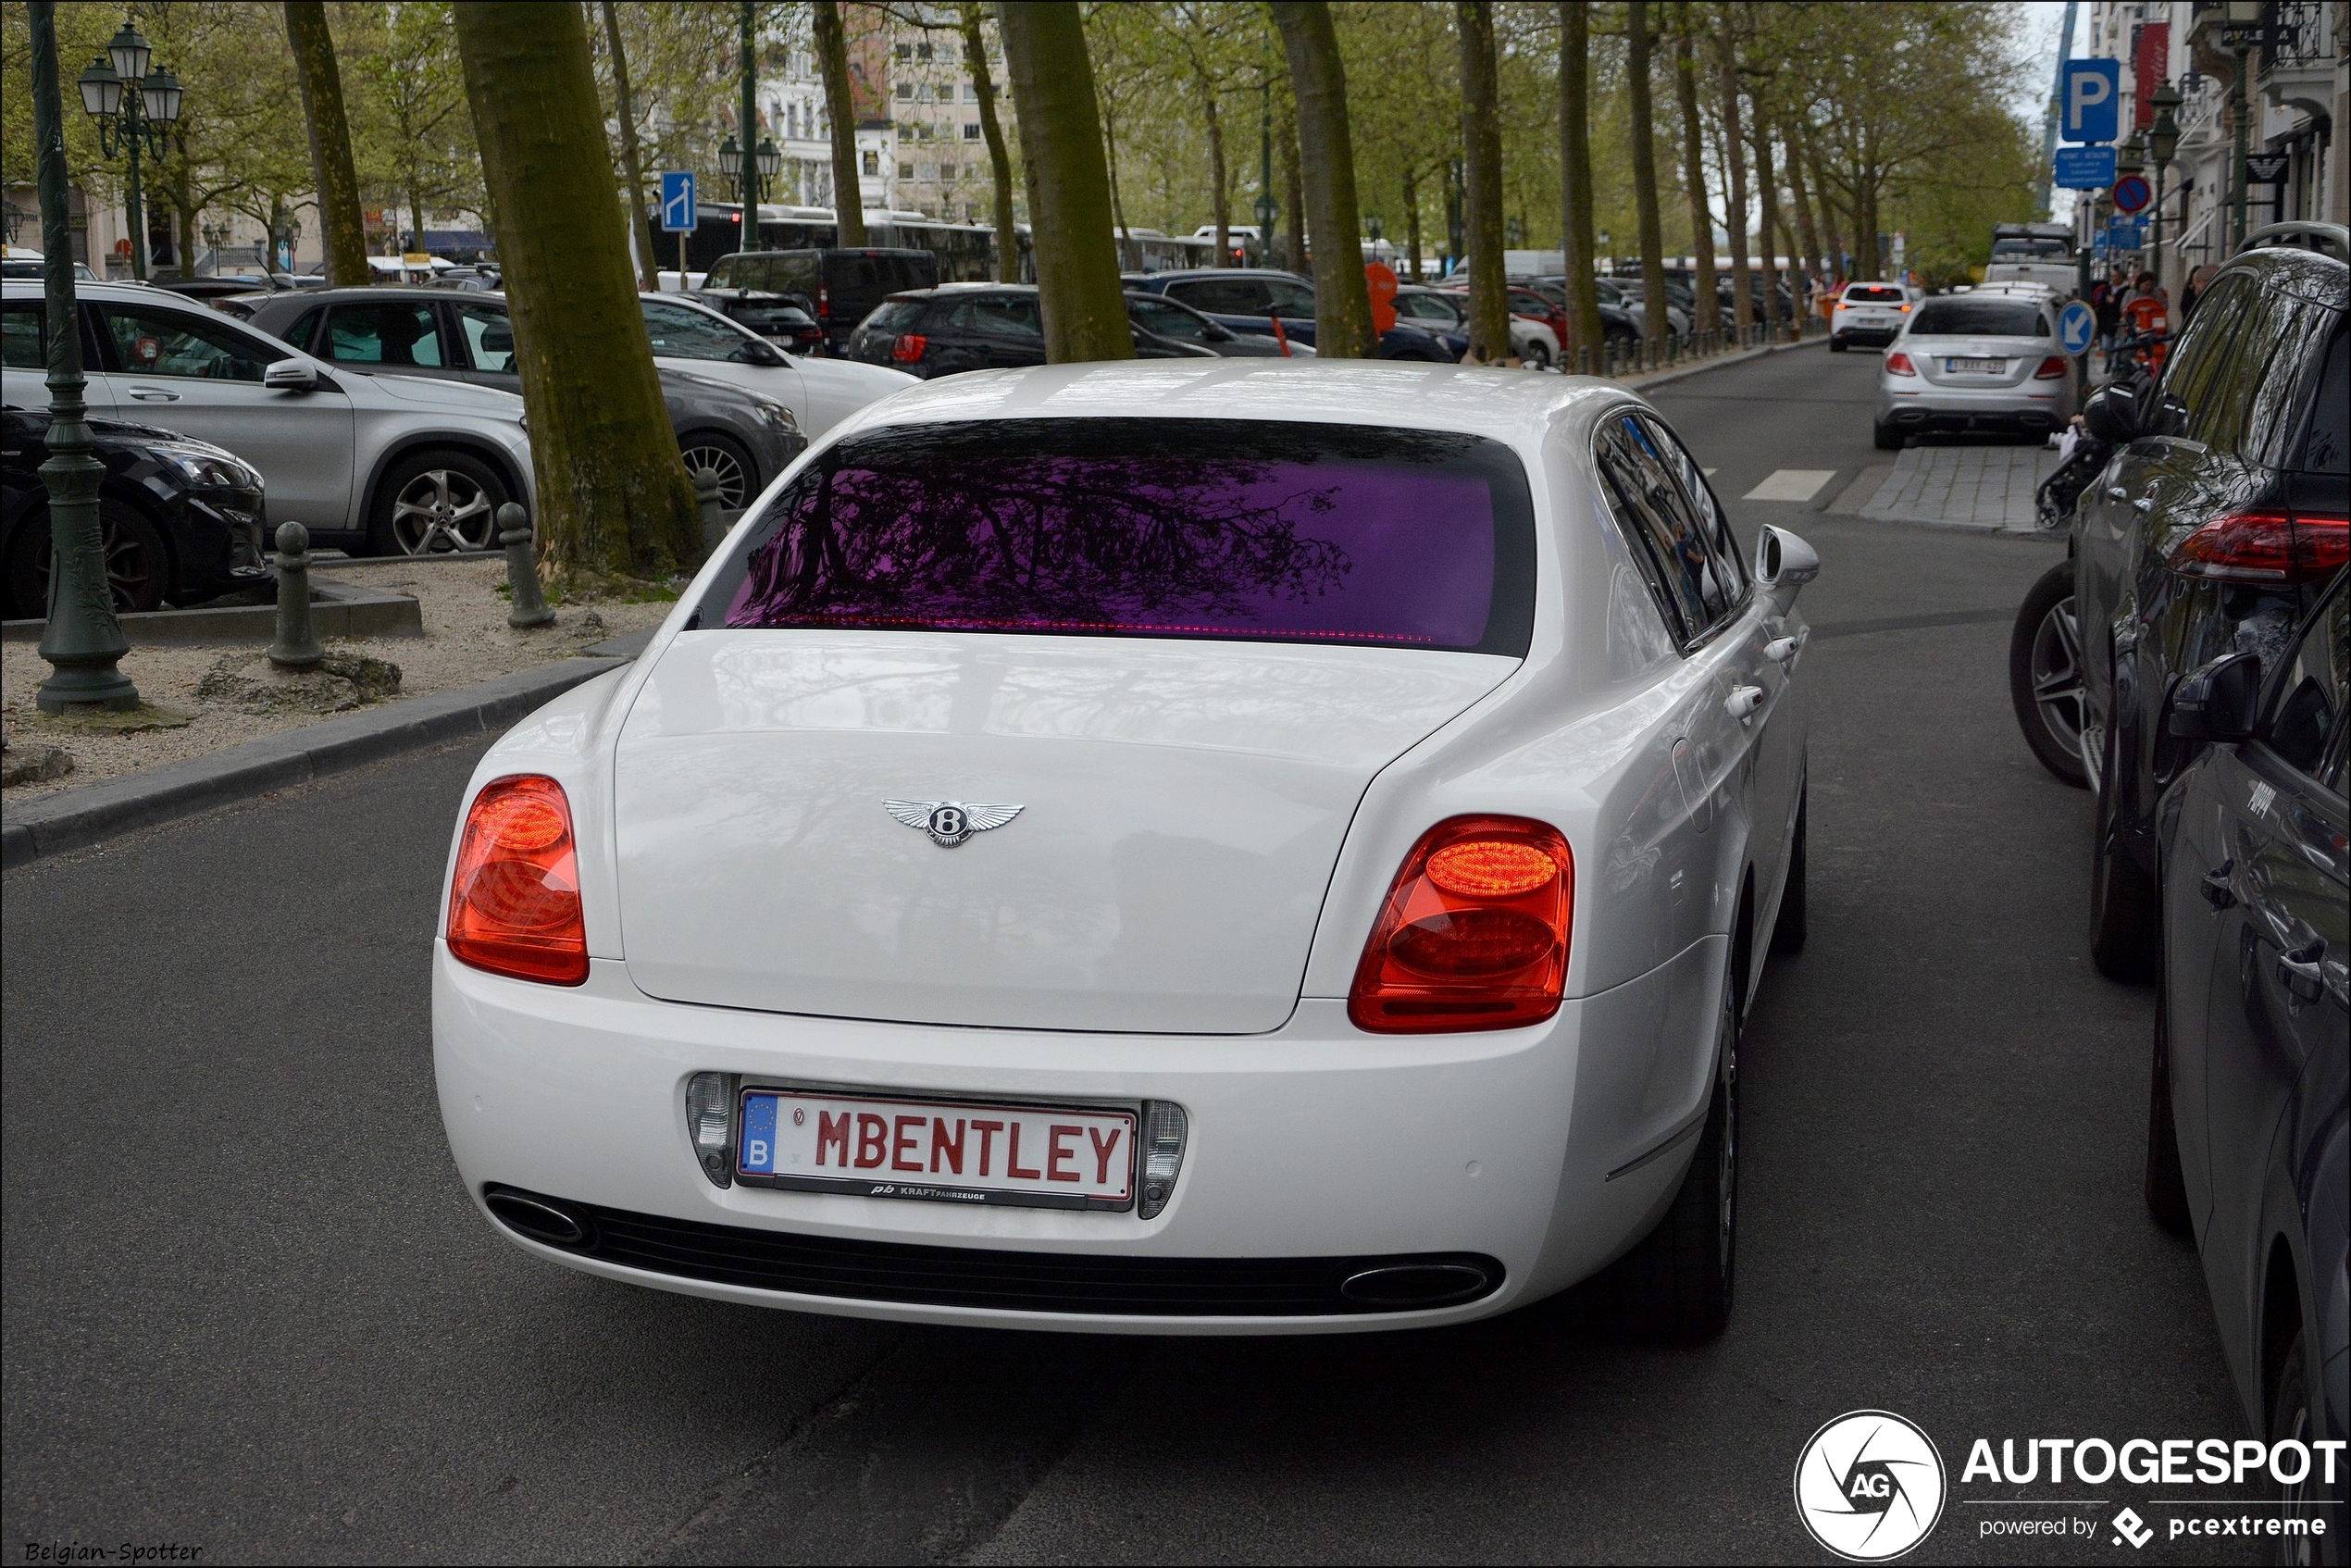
[[1402, 1286], [536, 1218]]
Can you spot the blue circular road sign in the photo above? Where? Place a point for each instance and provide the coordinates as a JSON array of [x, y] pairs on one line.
[[2132, 193], [2077, 324]]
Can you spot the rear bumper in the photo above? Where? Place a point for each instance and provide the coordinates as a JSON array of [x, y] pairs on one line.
[[1867, 337], [1539, 1154], [2036, 407]]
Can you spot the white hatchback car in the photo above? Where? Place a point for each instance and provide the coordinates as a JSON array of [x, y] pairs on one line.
[[1199, 847]]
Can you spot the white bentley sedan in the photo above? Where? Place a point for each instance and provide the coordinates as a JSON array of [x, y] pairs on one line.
[[1232, 847]]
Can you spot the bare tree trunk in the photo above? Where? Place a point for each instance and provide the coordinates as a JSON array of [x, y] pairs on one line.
[[1576, 178], [832, 63], [999, 160], [1705, 310], [1413, 222], [614, 498], [1735, 169], [1293, 193], [1069, 205], [1489, 298], [1767, 186], [632, 166], [1637, 33], [340, 229], [1808, 231], [1121, 241], [1318, 82]]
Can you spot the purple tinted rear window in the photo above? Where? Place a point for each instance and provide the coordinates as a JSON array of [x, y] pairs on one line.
[[1205, 528]]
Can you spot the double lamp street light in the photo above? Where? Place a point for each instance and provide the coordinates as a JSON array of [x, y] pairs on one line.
[[134, 108]]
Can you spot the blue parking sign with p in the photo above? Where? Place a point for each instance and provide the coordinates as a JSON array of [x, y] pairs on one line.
[[678, 201], [2090, 104]]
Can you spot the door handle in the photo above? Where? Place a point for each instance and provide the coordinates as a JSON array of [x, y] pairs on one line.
[[1743, 702], [1783, 649], [154, 394], [2215, 886], [2143, 504], [2301, 972], [2116, 492]]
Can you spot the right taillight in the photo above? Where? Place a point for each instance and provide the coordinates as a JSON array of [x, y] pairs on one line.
[[908, 348], [2052, 367], [514, 904], [1899, 365], [2265, 547], [1474, 933]]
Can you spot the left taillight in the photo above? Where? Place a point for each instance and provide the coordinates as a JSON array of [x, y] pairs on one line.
[[514, 904], [908, 347], [1474, 934], [2265, 547]]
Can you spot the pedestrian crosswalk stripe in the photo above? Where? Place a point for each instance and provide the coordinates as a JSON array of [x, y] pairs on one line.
[[1791, 484]]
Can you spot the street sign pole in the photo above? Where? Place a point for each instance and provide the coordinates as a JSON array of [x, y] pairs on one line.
[[679, 214]]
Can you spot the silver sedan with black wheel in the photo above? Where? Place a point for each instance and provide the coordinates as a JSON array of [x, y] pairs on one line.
[[2045, 674]]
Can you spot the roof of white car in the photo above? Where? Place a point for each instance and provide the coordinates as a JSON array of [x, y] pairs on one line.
[[1519, 406], [130, 294]]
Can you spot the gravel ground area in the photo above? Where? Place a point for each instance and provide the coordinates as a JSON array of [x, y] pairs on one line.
[[467, 640]]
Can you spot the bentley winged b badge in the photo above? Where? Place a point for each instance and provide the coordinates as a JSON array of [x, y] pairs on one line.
[[949, 823]]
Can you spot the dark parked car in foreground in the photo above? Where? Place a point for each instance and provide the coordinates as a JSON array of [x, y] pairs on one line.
[[449, 335], [959, 327], [2212, 530], [181, 519], [2249, 1112], [1247, 299]]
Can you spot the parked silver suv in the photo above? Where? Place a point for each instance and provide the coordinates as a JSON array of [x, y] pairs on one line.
[[375, 465]]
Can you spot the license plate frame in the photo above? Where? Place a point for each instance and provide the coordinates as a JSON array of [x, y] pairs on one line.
[[1974, 366], [888, 1179]]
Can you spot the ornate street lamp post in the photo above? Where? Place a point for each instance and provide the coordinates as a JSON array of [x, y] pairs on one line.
[[2163, 140], [2241, 29], [2128, 158], [82, 641], [766, 157], [134, 108]]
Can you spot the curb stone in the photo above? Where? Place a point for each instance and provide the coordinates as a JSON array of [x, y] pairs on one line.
[[73, 819], [1643, 382]]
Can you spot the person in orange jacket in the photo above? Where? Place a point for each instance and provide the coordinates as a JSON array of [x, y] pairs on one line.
[[2144, 311]]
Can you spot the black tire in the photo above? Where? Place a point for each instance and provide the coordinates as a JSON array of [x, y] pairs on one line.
[[2163, 1184], [739, 477], [1787, 931], [2044, 675], [1888, 438], [1675, 1283], [1837, 346], [138, 567], [2124, 901], [2291, 1419], [434, 500], [1540, 359]]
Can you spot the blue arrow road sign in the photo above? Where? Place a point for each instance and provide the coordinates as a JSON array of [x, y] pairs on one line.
[[2091, 106], [2077, 324], [2086, 168], [678, 201]]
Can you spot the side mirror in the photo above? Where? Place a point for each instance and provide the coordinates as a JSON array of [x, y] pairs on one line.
[[290, 375], [498, 339], [2218, 701], [1783, 564], [2112, 415]]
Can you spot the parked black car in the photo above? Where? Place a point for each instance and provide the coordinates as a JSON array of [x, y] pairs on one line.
[[183, 519], [2249, 1112], [1163, 318], [1247, 299], [815, 299], [2212, 530], [958, 326], [449, 335]]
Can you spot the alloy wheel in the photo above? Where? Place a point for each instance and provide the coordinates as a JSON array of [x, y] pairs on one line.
[[132, 569], [722, 466], [443, 509], [2057, 676]]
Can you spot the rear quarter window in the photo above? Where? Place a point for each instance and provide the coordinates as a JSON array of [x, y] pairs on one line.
[[895, 316]]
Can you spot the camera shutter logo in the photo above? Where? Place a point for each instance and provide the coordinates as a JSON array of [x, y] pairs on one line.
[[1870, 1486]]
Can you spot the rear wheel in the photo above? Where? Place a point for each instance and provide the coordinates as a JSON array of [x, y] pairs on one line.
[[2044, 675], [1836, 345], [433, 501], [2122, 897], [1677, 1283], [138, 570], [723, 459], [1888, 438], [2305, 1500], [2164, 1185]]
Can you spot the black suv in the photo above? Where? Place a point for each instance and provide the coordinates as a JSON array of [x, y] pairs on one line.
[[2213, 528], [814, 299]]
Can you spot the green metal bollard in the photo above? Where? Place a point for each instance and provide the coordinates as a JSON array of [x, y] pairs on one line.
[[522, 569], [295, 648]]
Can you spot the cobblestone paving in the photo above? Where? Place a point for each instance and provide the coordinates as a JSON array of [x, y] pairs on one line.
[[1968, 487]]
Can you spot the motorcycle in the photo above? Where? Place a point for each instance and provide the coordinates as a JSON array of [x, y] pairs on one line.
[[2045, 649]]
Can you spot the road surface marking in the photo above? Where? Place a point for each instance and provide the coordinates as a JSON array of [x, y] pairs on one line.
[[1791, 484]]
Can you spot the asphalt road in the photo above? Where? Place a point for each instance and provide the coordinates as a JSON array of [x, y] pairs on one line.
[[247, 1308]]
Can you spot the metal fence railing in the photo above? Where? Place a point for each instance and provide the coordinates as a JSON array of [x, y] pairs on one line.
[[1620, 358]]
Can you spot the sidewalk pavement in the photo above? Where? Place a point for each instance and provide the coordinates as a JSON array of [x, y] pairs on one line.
[[1983, 488]]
